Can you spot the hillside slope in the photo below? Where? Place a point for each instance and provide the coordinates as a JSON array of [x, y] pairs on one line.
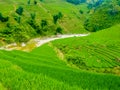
[[98, 52], [44, 69], [20, 20]]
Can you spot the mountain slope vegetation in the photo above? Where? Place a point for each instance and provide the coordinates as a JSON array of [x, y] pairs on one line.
[[42, 69], [104, 16], [77, 63], [98, 52], [22, 20]]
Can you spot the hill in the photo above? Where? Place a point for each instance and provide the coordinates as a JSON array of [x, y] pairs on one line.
[[78, 63], [98, 52], [22, 20], [92, 62]]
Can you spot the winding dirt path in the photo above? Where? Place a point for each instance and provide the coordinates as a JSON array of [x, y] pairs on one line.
[[37, 42]]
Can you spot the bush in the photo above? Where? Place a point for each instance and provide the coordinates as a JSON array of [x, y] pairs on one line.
[[43, 23], [36, 27], [81, 12], [76, 1], [28, 2], [33, 15], [59, 30], [18, 19], [35, 2], [104, 17], [3, 19], [57, 17], [19, 10]]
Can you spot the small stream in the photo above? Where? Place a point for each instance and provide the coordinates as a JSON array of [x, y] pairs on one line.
[[37, 42]]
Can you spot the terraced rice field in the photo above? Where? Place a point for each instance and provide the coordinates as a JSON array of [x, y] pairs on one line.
[[42, 69], [94, 53]]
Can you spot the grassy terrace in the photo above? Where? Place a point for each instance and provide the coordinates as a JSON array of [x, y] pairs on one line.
[[35, 70], [78, 63], [42, 69], [99, 52]]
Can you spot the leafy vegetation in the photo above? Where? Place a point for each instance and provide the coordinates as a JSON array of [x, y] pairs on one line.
[[76, 1], [78, 63], [19, 10], [3, 19], [98, 52], [28, 15], [104, 17], [42, 69]]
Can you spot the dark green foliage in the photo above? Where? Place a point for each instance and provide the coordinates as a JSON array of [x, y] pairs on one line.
[[28, 2], [33, 24], [76, 1], [35, 2], [18, 34], [8, 25], [33, 15], [6, 31], [57, 17], [19, 10], [76, 60], [104, 17], [94, 3], [44, 23], [14, 34], [60, 15], [81, 12], [59, 30], [18, 19], [3, 19], [41, 0]]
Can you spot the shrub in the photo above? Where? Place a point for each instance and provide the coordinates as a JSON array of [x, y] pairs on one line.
[[44, 23], [3, 19], [81, 12], [76, 1], [59, 30], [35, 2], [28, 2], [57, 17], [18, 19], [19, 10], [103, 17], [33, 15]]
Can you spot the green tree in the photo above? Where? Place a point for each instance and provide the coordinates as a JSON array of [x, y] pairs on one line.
[[19, 10], [55, 19], [3, 19], [60, 15], [35, 2], [18, 19], [44, 23], [28, 2], [33, 15], [81, 12], [59, 30]]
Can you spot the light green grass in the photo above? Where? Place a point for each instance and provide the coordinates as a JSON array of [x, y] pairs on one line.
[[72, 21], [42, 69], [98, 52]]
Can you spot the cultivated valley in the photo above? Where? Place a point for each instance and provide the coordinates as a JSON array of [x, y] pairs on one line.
[[59, 44]]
